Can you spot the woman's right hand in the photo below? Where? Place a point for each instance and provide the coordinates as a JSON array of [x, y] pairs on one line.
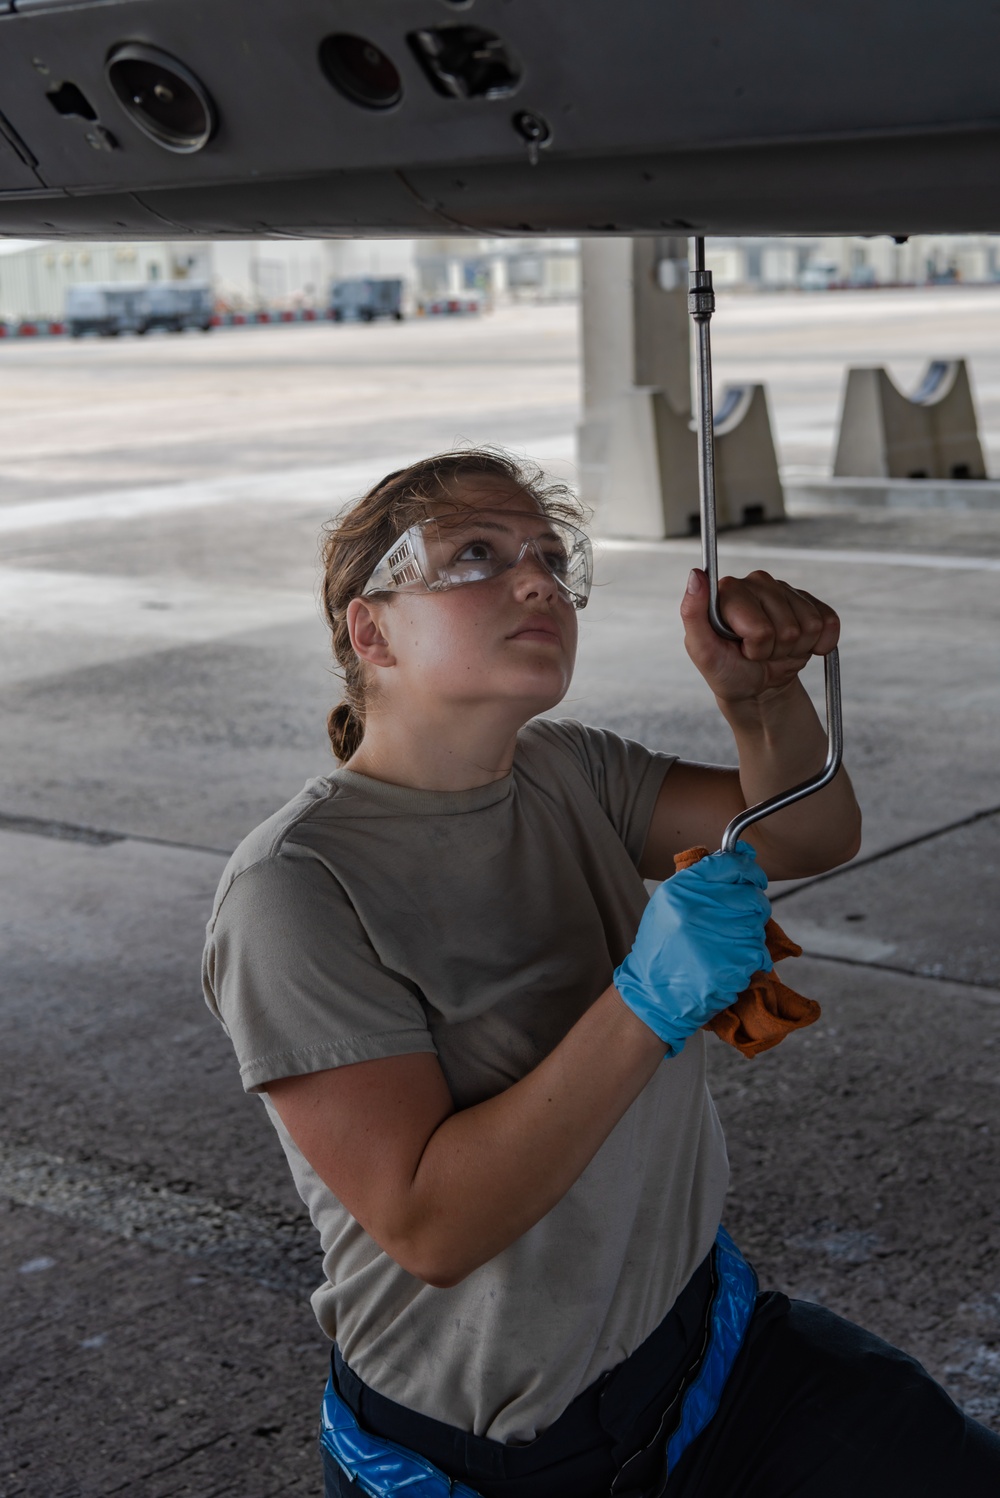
[[700, 941]]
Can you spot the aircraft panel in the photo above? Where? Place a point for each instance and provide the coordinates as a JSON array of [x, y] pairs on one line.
[[520, 116]]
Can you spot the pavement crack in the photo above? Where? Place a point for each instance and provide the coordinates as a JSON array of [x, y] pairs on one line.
[[67, 832], [169, 1466], [101, 837], [907, 972]]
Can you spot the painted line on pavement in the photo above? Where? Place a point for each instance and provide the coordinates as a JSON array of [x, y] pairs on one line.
[[328, 486]]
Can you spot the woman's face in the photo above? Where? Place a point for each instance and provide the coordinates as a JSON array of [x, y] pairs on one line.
[[507, 639]]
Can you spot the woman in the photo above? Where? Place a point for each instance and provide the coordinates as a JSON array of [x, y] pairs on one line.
[[481, 1046]]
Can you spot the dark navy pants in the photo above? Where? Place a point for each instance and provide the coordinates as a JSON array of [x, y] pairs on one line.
[[815, 1407]]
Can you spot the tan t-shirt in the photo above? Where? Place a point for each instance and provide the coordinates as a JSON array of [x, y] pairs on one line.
[[366, 920]]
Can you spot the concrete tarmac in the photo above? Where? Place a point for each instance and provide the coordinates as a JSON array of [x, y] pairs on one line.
[[164, 680]]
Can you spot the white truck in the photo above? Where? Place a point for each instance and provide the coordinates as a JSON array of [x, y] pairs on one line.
[[112, 307]]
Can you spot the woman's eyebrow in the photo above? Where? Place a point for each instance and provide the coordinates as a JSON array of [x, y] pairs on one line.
[[495, 525]]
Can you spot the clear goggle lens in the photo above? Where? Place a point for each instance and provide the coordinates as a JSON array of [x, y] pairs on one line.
[[447, 551]]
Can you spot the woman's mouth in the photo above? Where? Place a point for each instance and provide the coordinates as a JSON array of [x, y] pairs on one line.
[[541, 629]]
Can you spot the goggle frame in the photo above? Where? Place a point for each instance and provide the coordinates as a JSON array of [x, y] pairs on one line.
[[405, 564]]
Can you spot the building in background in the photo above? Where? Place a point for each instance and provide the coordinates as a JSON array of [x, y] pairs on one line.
[[35, 274], [250, 274], [815, 264], [247, 275], [499, 269]]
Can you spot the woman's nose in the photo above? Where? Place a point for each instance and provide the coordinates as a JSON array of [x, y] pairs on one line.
[[532, 573]]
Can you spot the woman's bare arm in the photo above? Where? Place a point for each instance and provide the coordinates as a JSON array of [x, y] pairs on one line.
[[779, 745], [443, 1191]]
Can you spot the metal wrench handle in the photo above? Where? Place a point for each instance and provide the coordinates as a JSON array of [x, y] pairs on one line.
[[701, 305], [834, 755]]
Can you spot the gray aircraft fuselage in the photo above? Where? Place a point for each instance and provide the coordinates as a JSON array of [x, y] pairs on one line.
[[160, 118]]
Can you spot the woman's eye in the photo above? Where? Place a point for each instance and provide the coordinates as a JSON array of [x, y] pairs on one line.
[[557, 562], [475, 551]]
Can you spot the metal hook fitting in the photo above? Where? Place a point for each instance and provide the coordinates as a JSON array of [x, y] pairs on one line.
[[701, 305]]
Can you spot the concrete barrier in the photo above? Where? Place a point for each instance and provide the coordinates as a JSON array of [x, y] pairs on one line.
[[649, 482], [931, 434], [33, 327], [450, 306], [748, 485]]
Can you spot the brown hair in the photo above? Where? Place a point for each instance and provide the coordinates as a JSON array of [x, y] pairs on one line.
[[355, 543]]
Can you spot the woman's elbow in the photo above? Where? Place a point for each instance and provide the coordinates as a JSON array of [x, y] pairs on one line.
[[853, 847], [824, 854], [832, 854], [440, 1269], [443, 1278], [431, 1256], [848, 844]]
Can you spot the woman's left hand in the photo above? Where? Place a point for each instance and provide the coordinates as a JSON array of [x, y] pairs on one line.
[[779, 629]]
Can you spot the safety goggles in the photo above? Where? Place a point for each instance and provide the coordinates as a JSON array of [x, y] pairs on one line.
[[470, 546]]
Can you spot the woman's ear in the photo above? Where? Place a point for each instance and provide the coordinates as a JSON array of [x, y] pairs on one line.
[[368, 641]]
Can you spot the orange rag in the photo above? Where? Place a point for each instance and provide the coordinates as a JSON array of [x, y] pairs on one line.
[[768, 1010]]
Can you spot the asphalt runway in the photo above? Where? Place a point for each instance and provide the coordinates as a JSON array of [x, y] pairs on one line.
[[164, 681]]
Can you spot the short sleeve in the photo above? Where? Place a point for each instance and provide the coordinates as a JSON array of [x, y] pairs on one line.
[[292, 975], [625, 776]]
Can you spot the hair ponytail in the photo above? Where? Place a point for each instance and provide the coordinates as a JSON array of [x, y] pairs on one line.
[[346, 728], [354, 544]]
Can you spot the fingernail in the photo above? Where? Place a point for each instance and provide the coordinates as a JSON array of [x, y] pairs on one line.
[[694, 581]]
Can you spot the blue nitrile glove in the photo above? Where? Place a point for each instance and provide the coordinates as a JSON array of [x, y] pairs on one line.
[[700, 941]]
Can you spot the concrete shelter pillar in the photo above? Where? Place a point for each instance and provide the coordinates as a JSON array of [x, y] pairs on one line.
[[636, 444], [635, 333]]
